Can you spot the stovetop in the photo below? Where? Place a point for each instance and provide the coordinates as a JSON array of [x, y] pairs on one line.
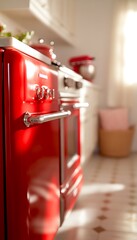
[[11, 42]]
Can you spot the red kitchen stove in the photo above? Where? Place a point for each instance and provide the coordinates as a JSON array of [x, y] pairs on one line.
[[40, 170]]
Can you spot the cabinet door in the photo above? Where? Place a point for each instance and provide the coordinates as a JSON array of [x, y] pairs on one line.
[[63, 12], [69, 15], [89, 123], [45, 4], [57, 11]]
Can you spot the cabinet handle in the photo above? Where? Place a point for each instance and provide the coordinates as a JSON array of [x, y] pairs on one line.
[[32, 119]]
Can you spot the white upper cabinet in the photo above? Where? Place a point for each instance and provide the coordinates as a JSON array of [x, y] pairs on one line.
[[50, 19]]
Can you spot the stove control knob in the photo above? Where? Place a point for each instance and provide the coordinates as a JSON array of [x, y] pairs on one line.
[[69, 82], [40, 91], [46, 93], [79, 85], [49, 93]]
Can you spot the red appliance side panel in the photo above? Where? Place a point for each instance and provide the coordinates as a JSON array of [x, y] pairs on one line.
[[1, 156], [32, 154]]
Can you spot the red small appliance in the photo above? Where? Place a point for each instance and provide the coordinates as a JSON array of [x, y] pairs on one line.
[[83, 65]]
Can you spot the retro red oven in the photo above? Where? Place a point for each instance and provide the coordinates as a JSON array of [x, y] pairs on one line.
[[29, 144]]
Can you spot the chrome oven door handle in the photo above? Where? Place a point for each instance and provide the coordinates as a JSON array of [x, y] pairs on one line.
[[80, 105], [32, 119]]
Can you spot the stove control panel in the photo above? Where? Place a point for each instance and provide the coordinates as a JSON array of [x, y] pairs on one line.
[[41, 83], [44, 92], [71, 83]]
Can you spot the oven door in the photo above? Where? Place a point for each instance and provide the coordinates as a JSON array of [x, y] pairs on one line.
[[71, 172]]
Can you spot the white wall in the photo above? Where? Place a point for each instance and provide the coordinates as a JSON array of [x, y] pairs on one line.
[[11, 26], [93, 28]]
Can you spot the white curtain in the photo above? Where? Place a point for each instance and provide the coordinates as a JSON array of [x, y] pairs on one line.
[[122, 79]]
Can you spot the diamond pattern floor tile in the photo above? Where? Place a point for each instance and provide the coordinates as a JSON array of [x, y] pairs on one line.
[[107, 206]]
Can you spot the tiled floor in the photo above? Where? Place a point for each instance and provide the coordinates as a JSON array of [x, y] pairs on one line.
[[107, 205]]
